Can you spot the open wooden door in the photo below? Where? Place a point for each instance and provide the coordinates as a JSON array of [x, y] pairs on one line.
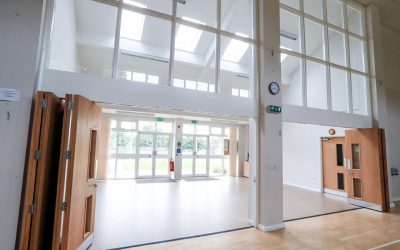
[[334, 172], [366, 169], [38, 203], [76, 194]]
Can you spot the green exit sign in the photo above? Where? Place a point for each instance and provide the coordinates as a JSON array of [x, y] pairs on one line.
[[159, 119], [274, 109], [195, 122]]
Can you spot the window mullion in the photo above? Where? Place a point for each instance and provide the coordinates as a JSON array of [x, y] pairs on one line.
[[116, 42], [172, 45], [218, 49], [327, 56], [303, 51]]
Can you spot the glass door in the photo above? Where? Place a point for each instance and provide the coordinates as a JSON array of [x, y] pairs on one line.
[[188, 155], [201, 156], [162, 154], [154, 155], [145, 155]]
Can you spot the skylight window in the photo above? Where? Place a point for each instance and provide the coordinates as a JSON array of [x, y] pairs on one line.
[[283, 56], [187, 37], [132, 25], [235, 50], [133, 3]]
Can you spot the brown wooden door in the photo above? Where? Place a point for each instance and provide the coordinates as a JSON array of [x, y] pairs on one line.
[[38, 202], [76, 195], [334, 172], [366, 165]]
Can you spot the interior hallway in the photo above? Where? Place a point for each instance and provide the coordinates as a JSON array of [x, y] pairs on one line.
[[128, 213], [302, 203], [358, 229]]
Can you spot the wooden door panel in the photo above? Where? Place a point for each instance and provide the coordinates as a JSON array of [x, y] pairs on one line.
[[331, 166], [368, 182], [79, 196], [42, 171]]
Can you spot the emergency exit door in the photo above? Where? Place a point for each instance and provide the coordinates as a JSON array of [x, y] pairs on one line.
[[365, 160], [195, 155]]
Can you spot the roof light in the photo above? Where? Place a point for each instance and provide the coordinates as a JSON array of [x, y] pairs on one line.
[[235, 51], [283, 56], [187, 37], [132, 25], [140, 5]]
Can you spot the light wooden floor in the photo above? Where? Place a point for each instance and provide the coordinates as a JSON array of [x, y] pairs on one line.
[[358, 229]]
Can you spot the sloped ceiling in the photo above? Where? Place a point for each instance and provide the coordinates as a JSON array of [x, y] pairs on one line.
[[389, 10]]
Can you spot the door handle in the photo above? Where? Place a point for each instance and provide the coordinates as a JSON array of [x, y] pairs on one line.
[[94, 185]]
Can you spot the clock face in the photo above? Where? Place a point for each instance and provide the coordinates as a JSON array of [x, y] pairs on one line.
[[274, 88]]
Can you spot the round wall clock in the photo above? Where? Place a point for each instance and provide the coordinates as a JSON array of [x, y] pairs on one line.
[[274, 88], [332, 131]]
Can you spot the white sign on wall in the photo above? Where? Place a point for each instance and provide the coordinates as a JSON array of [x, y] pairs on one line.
[[10, 95]]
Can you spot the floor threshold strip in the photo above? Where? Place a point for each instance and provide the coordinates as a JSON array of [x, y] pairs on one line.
[[318, 215], [385, 245], [182, 238]]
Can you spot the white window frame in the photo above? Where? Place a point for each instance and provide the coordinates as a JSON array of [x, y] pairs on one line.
[[302, 56]]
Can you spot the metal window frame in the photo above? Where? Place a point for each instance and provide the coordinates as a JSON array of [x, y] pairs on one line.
[[326, 62]]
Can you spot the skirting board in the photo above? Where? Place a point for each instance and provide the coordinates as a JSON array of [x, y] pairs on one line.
[[271, 228], [298, 186], [251, 222]]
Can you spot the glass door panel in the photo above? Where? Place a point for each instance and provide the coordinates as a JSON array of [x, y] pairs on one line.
[[162, 167], [217, 145], [146, 144], [163, 144], [201, 145], [200, 166], [216, 167], [145, 167], [187, 166], [127, 142], [187, 145], [125, 168]]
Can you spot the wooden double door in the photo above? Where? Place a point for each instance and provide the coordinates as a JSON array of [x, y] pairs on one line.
[[58, 205], [355, 166]]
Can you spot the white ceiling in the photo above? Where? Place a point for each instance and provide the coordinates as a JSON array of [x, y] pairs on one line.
[[389, 10]]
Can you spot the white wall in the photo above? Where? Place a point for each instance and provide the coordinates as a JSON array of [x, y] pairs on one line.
[[302, 159], [63, 55], [391, 55], [19, 39]]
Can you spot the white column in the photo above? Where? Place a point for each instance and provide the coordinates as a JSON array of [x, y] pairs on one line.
[[270, 180], [233, 151], [177, 145]]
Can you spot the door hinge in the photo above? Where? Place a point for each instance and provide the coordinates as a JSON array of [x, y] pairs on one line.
[[71, 105], [43, 103], [63, 206], [32, 208], [68, 155], [38, 155]]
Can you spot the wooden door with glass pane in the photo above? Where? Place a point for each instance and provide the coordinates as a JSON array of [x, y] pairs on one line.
[[366, 168], [334, 172], [76, 193]]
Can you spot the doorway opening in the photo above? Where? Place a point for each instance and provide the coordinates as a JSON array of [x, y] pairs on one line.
[[332, 169], [142, 200]]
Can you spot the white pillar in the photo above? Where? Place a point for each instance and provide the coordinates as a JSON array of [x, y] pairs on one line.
[[270, 125], [233, 151], [177, 146]]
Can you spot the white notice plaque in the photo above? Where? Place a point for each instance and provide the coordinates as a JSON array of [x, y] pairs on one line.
[[10, 95]]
